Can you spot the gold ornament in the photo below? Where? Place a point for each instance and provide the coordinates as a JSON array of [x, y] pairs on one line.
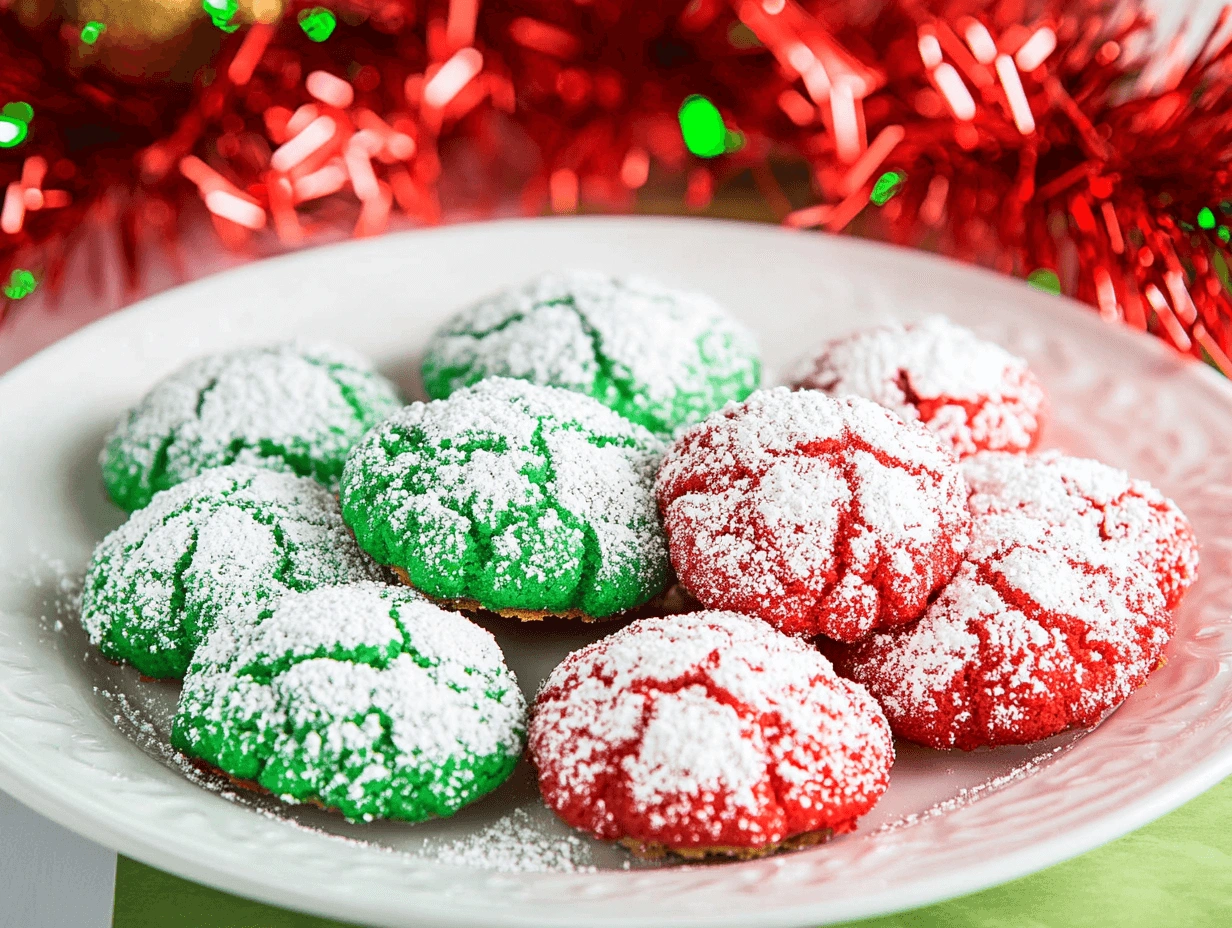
[[134, 22], [162, 39]]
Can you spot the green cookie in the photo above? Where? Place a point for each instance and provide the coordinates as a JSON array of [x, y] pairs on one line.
[[364, 698], [516, 496], [662, 358], [231, 538], [294, 407]]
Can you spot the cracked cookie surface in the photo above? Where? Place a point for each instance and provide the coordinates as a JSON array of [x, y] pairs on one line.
[[1113, 509], [295, 407], [821, 516], [231, 538], [514, 496], [662, 358], [1048, 624], [707, 733], [972, 394], [363, 698]]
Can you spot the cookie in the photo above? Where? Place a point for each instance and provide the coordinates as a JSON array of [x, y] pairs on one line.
[[661, 358], [512, 497], [1125, 514], [231, 538], [821, 516], [973, 394], [295, 407], [674, 600], [707, 734], [1044, 628], [363, 698]]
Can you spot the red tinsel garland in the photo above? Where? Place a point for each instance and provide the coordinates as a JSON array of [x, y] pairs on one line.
[[1021, 135]]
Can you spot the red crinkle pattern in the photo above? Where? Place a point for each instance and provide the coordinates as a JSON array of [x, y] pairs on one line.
[[972, 394], [1128, 515], [1045, 627], [705, 731], [820, 516]]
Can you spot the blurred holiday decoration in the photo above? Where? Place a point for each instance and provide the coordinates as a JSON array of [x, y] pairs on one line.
[[21, 284], [91, 31], [222, 13], [318, 23], [1044, 139]]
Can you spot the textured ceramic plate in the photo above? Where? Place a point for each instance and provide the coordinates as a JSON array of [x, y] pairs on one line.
[[85, 742]]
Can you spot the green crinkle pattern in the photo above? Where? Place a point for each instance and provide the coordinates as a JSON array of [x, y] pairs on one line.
[[661, 358], [232, 538], [296, 408], [363, 698], [514, 495]]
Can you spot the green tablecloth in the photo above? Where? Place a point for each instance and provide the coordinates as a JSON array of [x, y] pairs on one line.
[[1174, 872]]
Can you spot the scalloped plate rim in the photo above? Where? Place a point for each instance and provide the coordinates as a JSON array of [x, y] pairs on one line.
[[163, 850]]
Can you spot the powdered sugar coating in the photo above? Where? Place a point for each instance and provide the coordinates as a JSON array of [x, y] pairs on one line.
[[1044, 628], [513, 495], [1126, 515], [231, 538], [821, 516], [295, 407], [971, 393], [663, 358], [512, 844], [364, 698], [706, 730]]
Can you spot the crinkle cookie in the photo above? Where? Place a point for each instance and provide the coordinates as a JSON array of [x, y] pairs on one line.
[[231, 538], [821, 516], [973, 394], [1126, 515], [707, 734], [512, 497], [294, 407], [662, 358], [1044, 628], [364, 698]]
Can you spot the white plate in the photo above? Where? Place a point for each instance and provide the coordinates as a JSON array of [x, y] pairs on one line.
[[84, 742]]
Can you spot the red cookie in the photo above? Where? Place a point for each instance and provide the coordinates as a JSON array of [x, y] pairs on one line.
[[1128, 515], [707, 733], [973, 394], [820, 516], [1044, 628]]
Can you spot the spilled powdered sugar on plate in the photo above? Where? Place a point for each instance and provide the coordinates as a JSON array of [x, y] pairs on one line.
[[1124, 400], [518, 841], [971, 794], [62, 588], [514, 845], [512, 817]]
